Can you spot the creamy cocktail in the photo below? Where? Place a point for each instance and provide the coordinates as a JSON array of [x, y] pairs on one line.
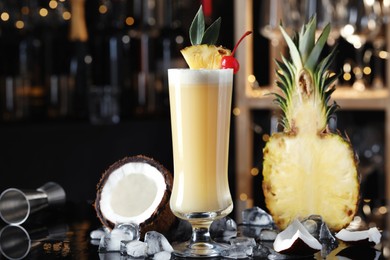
[[200, 102]]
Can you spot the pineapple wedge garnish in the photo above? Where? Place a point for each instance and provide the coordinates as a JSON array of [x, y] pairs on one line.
[[309, 169], [203, 53], [204, 56]]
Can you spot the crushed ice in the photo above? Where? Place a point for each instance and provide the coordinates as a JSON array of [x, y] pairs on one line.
[[251, 239], [124, 238]]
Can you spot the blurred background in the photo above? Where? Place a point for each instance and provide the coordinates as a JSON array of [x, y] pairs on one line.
[[83, 83]]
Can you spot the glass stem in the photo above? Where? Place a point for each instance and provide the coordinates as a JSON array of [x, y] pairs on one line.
[[201, 232]]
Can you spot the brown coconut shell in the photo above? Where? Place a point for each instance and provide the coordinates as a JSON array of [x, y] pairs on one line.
[[162, 218]]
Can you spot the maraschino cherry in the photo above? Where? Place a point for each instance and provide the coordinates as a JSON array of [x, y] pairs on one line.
[[228, 61]]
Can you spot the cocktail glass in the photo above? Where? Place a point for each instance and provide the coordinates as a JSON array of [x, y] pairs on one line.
[[200, 103]]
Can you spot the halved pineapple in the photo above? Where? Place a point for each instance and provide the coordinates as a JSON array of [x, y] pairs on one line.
[[309, 169], [204, 56]]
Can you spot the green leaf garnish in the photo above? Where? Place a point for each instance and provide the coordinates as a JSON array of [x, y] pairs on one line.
[[197, 27], [211, 34], [198, 35]]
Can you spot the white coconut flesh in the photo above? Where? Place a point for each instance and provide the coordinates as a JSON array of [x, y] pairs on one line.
[[372, 235], [132, 193], [286, 239]]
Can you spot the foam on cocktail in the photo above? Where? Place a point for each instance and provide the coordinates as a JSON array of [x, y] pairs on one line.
[[202, 76]]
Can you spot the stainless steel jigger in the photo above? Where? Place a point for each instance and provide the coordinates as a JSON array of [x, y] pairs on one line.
[[16, 205], [15, 242]]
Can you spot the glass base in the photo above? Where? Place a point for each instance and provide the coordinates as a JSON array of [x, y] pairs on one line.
[[208, 249], [201, 245]]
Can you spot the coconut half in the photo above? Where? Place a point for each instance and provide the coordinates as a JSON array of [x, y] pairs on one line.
[[296, 240], [370, 237], [135, 190]]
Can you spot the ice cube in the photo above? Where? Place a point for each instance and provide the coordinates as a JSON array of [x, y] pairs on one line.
[[250, 231], [261, 251], [256, 216], [325, 234], [268, 234], [241, 247], [243, 241], [130, 229], [262, 233], [313, 224], [318, 228], [223, 228], [112, 241], [163, 255], [98, 233], [328, 241], [157, 242], [134, 248], [237, 252], [95, 242]]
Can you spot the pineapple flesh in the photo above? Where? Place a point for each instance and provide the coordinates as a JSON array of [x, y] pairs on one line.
[[309, 169], [204, 56]]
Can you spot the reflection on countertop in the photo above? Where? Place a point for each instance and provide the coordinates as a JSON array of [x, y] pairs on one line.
[[53, 234], [65, 234]]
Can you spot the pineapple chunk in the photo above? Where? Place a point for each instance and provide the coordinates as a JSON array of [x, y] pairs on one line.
[[204, 56]]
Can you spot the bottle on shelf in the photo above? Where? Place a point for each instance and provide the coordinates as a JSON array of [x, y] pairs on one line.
[[80, 60], [109, 44], [22, 95]]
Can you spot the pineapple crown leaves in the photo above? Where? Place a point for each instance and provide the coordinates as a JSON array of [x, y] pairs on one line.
[[304, 50], [198, 34], [304, 65]]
